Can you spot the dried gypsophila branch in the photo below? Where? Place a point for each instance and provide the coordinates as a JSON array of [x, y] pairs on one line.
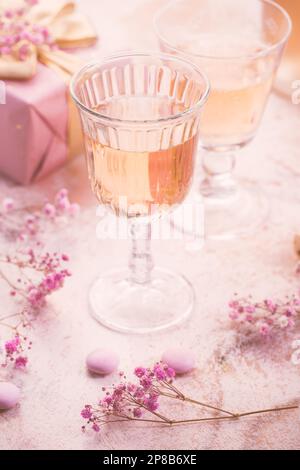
[[267, 316], [27, 222], [32, 293], [18, 35], [36, 274], [128, 402]]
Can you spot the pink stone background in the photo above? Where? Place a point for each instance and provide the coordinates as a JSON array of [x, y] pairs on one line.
[[230, 374]]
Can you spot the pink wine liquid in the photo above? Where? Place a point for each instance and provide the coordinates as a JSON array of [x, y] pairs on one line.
[[140, 182]]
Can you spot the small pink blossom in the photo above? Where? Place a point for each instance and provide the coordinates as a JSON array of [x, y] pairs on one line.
[[140, 372], [36, 297], [146, 382], [138, 413], [12, 345], [233, 315], [151, 404], [131, 388], [250, 309], [159, 372], [9, 41], [50, 210], [107, 400], [170, 372], [21, 362], [62, 193], [270, 305], [8, 204], [139, 393], [74, 210], [290, 312], [5, 50], [9, 14], [20, 11], [86, 413], [64, 204], [31, 224], [264, 329], [45, 32], [249, 318], [283, 321], [25, 36]]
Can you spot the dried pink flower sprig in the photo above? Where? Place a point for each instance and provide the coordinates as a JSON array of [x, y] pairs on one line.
[[36, 277], [30, 273], [23, 223], [15, 350], [129, 401], [18, 34], [49, 275], [266, 317]]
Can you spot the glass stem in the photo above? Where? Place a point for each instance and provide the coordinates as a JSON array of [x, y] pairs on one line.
[[218, 180], [140, 262]]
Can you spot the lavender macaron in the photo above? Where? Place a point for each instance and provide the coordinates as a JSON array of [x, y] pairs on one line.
[[102, 361], [180, 359], [9, 395]]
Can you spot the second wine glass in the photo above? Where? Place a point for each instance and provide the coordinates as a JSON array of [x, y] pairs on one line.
[[239, 44]]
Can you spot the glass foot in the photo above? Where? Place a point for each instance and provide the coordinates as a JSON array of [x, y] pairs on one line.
[[119, 304], [236, 216]]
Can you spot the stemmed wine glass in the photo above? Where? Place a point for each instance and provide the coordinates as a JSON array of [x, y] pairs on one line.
[[140, 116], [239, 44]]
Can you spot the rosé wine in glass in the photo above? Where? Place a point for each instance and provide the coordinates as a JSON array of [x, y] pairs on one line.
[[147, 181]]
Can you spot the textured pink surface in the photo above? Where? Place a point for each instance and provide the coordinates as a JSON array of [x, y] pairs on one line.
[[230, 374]]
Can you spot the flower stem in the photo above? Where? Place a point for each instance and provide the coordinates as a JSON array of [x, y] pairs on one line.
[[270, 410], [10, 327], [11, 285], [182, 397], [221, 410], [9, 316], [160, 416], [171, 422]]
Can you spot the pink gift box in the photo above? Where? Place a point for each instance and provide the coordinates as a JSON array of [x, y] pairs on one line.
[[34, 126]]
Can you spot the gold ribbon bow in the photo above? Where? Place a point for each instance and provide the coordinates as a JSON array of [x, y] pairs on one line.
[[68, 28]]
